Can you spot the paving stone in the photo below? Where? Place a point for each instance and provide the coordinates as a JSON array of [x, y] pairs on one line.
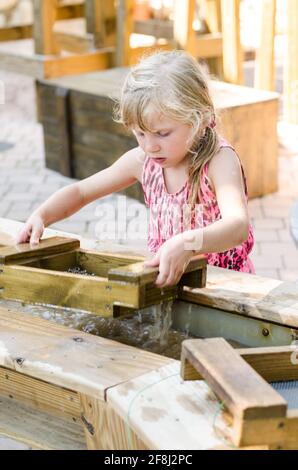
[[266, 235], [268, 224], [273, 273]]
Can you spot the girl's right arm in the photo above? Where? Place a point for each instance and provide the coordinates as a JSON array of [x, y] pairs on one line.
[[65, 202]]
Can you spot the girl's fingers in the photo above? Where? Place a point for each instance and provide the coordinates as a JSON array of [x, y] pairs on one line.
[[23, 236], [35, 236]]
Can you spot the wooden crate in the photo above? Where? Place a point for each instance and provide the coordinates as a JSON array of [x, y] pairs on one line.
[[82, 138], [58, 272]]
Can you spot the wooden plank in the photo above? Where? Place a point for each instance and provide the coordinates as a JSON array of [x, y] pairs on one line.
[[183, 17], [44, 19], [213, 15], [153, 27], [101, 22], [43, 248], [254, 296], [232, 51], [77, 64], [39, 430], [16, 59], [67, 9], [138, 274], [265, 66], [41, 395], [274, 364], [166, 413], [89, 293], [104, 429], [245, 394], [291, 67], [62, 115], [73, 37], [12, 33], [124, 31], [208, 46], [69, 358]]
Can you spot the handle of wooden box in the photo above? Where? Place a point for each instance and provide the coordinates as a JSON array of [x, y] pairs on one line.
[[243, 391], [194, 276], [46, 247]]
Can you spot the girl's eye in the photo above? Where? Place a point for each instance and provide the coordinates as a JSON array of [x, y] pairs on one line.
[[163, 134]]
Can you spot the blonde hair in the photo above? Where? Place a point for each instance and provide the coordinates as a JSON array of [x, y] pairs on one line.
[[174, 84]]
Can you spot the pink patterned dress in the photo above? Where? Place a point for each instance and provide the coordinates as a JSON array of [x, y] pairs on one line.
[[170, 215]]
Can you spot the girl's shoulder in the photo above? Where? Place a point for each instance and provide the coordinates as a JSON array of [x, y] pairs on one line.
[[225, 161], [137, 158]]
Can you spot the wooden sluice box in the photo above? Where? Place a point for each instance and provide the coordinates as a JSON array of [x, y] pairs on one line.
[[61, 388], [58, 272]]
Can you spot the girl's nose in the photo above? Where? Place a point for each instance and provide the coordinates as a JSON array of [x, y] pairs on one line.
[[152, 146]]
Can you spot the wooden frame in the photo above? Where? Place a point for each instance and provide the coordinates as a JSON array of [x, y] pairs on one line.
[[258, 414], [114, 282]]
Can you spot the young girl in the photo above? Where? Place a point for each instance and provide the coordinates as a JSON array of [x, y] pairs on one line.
[[192, 179]]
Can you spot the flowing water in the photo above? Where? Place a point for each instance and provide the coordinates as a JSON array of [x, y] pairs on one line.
[[148, 329]]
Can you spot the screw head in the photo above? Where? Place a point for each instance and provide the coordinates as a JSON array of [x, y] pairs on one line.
[[265, 332]]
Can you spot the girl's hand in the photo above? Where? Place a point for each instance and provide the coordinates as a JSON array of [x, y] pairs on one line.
[[172, 259], [32, 230]]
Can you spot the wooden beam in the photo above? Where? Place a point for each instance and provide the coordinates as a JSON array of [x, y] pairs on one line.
[[245, 394], [232, 51], [15, 32], [213, 15], [265, 67], [44, 19], [291, 68], [46, 247], [183, 17], [42, 395], [101, 22], [273, 364], [124, 31]]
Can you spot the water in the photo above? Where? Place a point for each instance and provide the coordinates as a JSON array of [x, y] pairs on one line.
[[148, 329]]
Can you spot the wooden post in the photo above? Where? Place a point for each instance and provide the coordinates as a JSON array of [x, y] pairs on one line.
[[124, 30], [264, 74], [183, 17], [232, 51], [291, 68], [213, 21], [213, 16], [44, 19], [101, 22]]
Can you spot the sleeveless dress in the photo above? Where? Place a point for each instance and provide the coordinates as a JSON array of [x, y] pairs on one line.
[[170, 215]]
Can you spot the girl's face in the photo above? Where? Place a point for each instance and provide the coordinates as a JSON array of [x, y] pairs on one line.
[[167, 143]]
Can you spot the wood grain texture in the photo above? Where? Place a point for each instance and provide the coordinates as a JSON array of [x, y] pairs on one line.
[[69, 358]]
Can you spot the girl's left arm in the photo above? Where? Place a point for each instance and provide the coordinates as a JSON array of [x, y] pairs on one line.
[[231, 230]]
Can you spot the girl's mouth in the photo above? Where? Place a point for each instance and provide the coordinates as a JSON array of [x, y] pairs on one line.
[[159, 160]]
